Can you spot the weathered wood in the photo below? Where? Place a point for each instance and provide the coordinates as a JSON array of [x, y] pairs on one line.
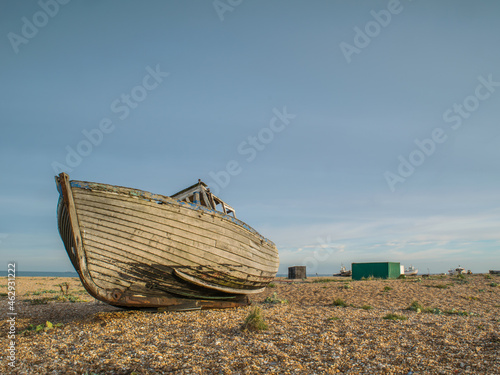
[[209, 227], [176, 237], [71, 220], [208, 285], [146, 250]]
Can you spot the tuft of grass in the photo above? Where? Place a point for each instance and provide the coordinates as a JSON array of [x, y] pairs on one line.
[[435, 311], [275, 300], [333, 318], [41, 301], [487, 276], [271, 285], [339, 302], [255, 321], [458, 312], [395, 317], [494, 285], [416, 306], [367, 307], [403, 276], [40, 292], [41, 327], [316, 281], [69, 298], [440, 286], [64, 288], [4, 294], [346, 286], [62, 298], [387, 288], [472, 298]]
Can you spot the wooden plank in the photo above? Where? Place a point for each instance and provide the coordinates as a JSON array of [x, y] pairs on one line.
[[231, 230], [134, 229], [100, 245], [139, 256], [128, 256], [110, 234], [216, 287], [210, 222], [170, 225], [164, 286]]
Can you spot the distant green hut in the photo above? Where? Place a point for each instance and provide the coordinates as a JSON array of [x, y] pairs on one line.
[[382, 270]]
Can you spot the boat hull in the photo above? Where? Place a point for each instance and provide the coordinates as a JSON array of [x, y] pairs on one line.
[[411, 273], [136, 249]]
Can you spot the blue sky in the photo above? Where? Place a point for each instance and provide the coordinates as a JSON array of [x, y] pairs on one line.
[[343, 131]]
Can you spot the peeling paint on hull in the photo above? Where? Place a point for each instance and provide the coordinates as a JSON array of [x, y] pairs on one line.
[[126, 245]]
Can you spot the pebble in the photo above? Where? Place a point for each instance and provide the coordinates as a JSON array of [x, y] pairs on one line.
[[301, 339]]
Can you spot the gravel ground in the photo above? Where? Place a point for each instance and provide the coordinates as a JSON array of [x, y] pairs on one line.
[[456, 332]]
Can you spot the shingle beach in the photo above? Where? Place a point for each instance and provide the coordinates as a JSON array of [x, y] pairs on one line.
[[316, 326]]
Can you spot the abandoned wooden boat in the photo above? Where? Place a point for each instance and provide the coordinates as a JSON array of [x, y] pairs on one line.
[[133, 248]]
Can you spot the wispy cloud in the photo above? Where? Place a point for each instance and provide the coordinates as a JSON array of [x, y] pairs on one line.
[[440, 239]]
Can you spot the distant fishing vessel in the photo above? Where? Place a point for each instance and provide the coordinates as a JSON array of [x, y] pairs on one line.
[[133, 248], [344, 272], [457, 271], [495, 272], [411, 271]]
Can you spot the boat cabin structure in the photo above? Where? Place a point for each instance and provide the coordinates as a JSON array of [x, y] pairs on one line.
[[200, 194]]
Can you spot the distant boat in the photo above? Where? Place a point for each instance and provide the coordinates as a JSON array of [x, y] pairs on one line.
[[457, 271], [495, 272], [132, 248], [344, 272], [411, 271]]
